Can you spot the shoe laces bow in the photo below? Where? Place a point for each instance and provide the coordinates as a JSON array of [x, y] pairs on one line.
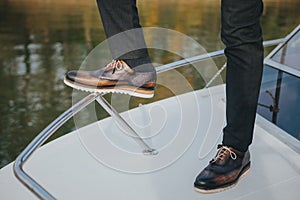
[[222, 152], [116, 65]]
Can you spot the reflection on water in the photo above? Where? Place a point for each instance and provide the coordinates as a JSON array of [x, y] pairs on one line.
[[39, 40]]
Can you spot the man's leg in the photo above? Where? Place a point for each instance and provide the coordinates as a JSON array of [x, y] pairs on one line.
[[241, 33], [121, 24], [131, 72]]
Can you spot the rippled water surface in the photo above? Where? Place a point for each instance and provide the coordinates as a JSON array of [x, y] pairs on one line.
[[41, 40]]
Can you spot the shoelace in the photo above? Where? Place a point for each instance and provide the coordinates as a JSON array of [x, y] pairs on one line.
[[117, 65], [221, 153]]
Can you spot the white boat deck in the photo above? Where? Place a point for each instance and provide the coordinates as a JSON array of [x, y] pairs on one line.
[[100, 162]]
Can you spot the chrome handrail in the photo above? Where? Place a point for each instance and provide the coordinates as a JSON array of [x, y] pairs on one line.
[[19, 172], [33, 185], [204, 56]]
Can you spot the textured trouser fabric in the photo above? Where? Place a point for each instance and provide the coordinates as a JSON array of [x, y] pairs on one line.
[[122, 28], [242, 35]]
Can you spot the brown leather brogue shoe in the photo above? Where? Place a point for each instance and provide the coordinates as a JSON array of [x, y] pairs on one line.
[[223, 171], [116, 77]]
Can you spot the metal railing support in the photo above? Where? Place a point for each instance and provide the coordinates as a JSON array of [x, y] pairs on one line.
[[112, 111]]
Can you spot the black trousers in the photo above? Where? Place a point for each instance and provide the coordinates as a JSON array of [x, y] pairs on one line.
[[120, 19], [242, 35]]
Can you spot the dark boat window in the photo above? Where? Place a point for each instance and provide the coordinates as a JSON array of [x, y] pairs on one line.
[[279, 100], [289, 54]]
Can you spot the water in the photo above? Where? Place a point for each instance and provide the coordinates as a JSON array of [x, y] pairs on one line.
[[41, 40]]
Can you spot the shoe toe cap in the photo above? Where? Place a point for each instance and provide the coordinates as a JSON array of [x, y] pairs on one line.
[[71, 75], [205, 180]]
